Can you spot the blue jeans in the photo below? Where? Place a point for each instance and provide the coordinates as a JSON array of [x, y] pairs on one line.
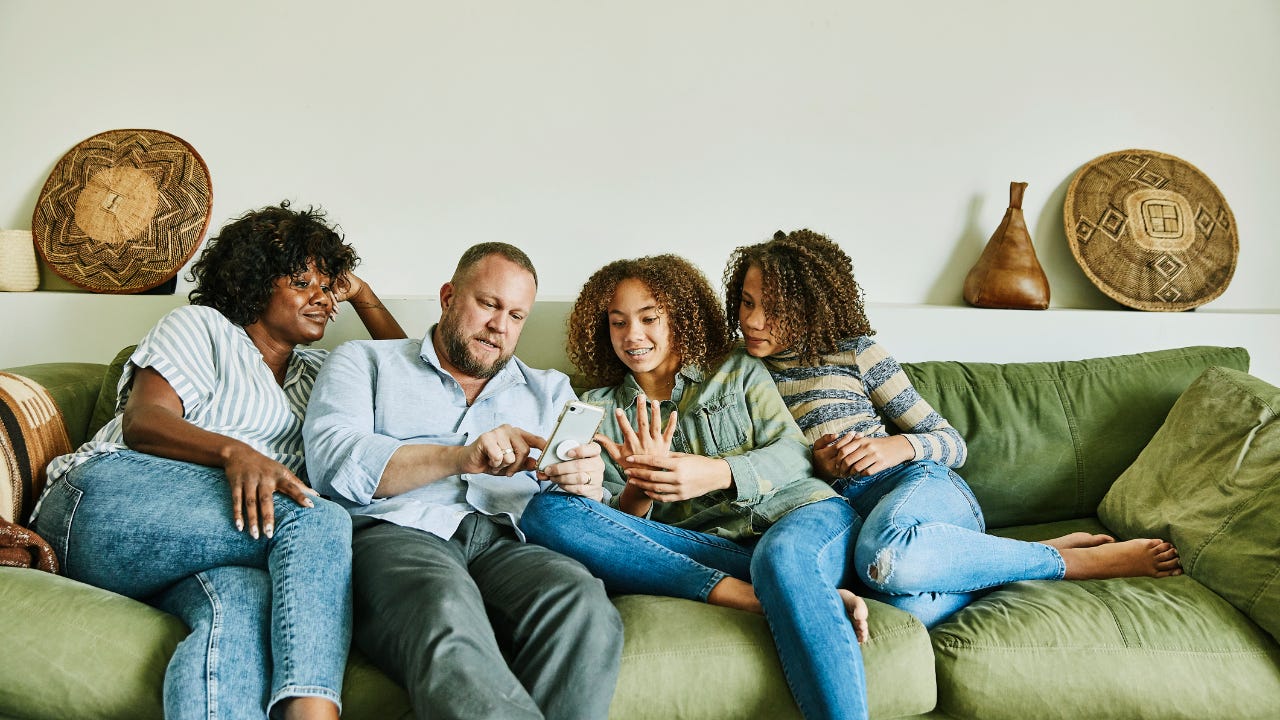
[[795, 567], [270, 618], [924, 547]]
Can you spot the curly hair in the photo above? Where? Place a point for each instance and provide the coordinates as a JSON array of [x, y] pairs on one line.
[[237, 270], [698, 330], [810, 296]]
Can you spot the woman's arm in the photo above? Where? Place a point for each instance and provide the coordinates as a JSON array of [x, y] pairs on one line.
[[375, 316], [154, 423]]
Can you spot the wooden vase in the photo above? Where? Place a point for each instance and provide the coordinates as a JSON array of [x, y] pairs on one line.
[[1008, 275]]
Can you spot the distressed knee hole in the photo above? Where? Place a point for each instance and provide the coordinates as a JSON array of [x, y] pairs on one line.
[[882, 568]]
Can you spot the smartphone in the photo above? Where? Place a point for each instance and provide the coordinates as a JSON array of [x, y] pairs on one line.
[[576, 426]]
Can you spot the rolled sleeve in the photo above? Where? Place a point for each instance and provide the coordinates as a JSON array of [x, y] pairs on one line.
[[345, 456]]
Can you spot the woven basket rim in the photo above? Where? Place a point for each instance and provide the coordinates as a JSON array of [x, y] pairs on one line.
[[177, 226], [1071, 219]]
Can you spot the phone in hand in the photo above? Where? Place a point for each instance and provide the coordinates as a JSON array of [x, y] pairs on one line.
[[576, 426]]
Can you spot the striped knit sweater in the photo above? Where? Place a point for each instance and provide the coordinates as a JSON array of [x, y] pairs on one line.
[[862, 388]]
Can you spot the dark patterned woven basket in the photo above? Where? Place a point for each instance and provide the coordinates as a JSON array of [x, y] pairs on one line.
[[123, 211], [1151, 230]]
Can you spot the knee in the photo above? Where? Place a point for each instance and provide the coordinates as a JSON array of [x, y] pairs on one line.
[[326, 526], [541, 520], [889, 567]]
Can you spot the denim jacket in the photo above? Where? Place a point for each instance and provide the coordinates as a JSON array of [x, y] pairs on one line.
[[734, 413]]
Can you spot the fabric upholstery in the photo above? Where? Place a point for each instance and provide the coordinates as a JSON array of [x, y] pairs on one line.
[[1082, 421], [105, 406], [674, 643], [1124, 649], [1210, 482]]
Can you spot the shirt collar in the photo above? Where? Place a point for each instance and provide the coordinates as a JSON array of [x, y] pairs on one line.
[[629, 390], [507, 376]]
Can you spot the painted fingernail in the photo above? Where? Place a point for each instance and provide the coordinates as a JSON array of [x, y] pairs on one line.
[[269, 530], [239, 526], [253, 531]]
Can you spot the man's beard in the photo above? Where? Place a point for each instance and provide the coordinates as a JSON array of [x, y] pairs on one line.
[[458, 351]]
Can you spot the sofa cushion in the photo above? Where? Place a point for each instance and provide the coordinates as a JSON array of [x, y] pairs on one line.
[[1047, 439], [105, 403], [32, 432], [1210, 482], [1126, 649], [691, 660]]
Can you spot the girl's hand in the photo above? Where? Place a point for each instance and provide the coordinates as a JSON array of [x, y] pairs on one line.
[[678, 476], [648, 438], [854, 454], [254, 478]]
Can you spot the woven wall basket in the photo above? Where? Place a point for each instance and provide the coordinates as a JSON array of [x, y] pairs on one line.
[[123, 211], [1151, 230]]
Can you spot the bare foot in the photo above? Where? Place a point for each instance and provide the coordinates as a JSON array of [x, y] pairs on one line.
[[1131, 558], [1077, 540], [857, 610]]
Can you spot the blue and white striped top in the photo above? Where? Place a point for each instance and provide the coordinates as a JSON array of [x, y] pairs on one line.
[[224, 385]]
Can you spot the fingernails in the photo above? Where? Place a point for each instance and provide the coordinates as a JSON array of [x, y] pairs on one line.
[[253, 532], [307, 502], [269, 530], [239, 526]]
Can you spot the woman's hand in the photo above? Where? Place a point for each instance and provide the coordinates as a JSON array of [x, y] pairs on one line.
[[254, 478], [345, 289], [678, 476], [853, 454], [379, 321]]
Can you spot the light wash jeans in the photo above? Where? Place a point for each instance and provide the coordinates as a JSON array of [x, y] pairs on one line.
[[923, 546], [270, 619], [795, 567]]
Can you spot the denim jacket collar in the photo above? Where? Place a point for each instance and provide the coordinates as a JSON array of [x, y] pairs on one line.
[[629, 390]]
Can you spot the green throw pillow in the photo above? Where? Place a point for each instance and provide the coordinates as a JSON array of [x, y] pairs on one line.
[[105, 409], [1210, 481]]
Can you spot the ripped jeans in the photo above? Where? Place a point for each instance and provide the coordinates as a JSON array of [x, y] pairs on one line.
[[923, 546]]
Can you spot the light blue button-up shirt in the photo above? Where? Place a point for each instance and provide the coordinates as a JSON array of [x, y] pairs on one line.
[[374, 396]]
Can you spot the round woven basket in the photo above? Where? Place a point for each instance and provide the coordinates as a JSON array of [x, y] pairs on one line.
[[18, 269], [123, 211], [1150, 230]]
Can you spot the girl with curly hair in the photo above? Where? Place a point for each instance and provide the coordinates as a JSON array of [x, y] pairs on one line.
[[719, 505], [209, 419], [884, 448]]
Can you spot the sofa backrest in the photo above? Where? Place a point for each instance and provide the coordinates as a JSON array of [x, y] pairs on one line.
[[1046, 440]]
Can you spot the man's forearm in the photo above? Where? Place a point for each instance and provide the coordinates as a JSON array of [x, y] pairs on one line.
[[412, 466]]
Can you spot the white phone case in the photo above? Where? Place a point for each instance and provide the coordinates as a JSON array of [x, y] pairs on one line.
[[576, 426]]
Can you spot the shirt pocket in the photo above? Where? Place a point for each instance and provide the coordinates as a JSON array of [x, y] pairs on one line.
[[722, 425]]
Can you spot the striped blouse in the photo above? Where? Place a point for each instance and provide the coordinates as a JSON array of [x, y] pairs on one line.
[[862, 388], [224, 385]]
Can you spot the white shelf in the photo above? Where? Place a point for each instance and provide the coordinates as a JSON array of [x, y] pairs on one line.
[[47, 326]]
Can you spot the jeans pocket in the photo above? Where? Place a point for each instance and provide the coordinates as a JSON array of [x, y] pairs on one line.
[[56, 514], [967, 492]]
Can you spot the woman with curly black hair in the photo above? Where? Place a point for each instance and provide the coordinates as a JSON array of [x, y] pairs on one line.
[[720, 505], [207, 439], [795, 300]]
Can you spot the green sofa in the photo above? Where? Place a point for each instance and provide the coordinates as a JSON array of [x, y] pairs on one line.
[[1047, 441]]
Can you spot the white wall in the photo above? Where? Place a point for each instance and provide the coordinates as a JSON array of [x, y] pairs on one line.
[[586, 131]]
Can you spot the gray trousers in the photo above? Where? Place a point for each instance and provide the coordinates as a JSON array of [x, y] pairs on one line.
[[483, 625]]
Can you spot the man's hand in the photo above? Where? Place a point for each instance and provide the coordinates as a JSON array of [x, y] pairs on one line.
[[503, 450], [853, 454], [584, 475]]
